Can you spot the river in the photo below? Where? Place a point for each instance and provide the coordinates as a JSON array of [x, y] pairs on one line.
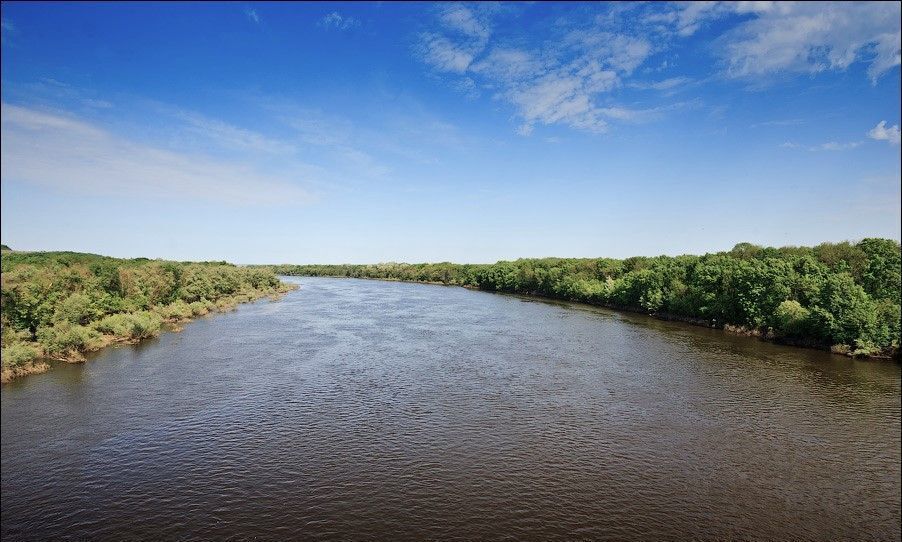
[[356, 409]]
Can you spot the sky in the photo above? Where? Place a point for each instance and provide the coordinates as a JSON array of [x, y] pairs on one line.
[[373, 132]]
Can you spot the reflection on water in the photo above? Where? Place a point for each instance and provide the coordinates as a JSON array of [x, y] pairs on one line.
[[377, 410]]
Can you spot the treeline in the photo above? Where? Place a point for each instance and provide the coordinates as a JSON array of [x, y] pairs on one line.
[[61, 304], [842, 295]]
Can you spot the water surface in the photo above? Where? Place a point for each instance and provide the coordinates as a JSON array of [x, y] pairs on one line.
[[359, 409]]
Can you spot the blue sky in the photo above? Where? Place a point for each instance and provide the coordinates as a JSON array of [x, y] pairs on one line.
[[269, 132]]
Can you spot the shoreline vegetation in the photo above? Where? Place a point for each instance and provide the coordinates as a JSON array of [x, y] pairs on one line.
[[841, 297], [62, 305]]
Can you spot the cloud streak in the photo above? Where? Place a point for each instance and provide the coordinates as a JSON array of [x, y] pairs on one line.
[[231, 137], [828, 146], [65, 152]]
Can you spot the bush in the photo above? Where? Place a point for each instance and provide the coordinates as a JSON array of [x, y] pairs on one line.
[[78, 308], [178, 310], [67, 339], [200, 308], [139, 325], [19, 354]]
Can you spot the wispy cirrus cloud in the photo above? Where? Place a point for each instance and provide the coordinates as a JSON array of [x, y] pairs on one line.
[[338, 21], [766, 38], [812, 37], [779, 122], [252, 15], [554, 84], [229, 136], [63, 151], [670, 83], [571, 74], [828, 146], [883, 133], [464, 33]]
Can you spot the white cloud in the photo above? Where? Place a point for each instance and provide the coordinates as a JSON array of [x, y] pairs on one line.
[[229, 136], [666, 84], [96, 104], [525, 130], [509, 65], [336, 20], [834, 146], [882, 133], [806, 37], [339, 139], [686, 18], [828, 146], [553, 99], [561, 85], [462, 19], [65, 152], [465, 35], [564, 79], [632, 115], [446, 55], [779, 122], [252, 15], [558, 82], [815, 36]]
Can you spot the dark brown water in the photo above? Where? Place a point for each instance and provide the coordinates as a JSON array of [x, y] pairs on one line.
[[374, 410]]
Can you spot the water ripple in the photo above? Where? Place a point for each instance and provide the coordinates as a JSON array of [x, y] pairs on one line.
[[368, 410]]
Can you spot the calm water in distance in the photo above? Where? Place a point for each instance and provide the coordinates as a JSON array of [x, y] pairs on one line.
[[359, 409]]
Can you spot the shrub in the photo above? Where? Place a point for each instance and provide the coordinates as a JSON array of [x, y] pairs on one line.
[[137, 325], [178, 310], [78, 308], [199, 308], [18, 354], [67, 339]]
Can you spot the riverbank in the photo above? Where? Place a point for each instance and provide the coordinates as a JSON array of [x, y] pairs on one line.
[[58, 306], [129, 332], [767, 335], [840, 296]]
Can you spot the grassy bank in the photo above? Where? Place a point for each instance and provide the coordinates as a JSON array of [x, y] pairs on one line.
[[839, 296], [61, 305]]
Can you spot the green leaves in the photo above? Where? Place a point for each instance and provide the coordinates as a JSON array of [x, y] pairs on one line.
[[61, 302]]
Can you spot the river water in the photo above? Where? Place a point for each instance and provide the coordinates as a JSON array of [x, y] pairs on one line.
[[357, 409]]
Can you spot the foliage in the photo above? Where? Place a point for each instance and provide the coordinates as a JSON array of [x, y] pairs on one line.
[[63, 303], [19, 354], [833, 294], [67, 339], [792, 318], [131, 326]]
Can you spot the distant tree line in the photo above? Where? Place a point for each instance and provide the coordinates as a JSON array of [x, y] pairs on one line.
[[843, 295], [62, 304]]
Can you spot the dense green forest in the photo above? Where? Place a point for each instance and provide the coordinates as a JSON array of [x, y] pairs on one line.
[[61, 304], [840, 295]]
